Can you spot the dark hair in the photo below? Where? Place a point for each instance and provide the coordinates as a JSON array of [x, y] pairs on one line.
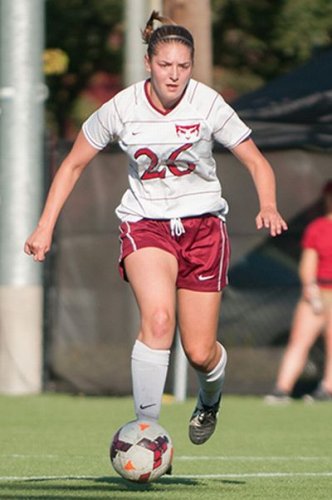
[[168, 32], [327, 188]]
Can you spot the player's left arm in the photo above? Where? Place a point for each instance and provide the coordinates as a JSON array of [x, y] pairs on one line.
[[308, 273], [264, 180]]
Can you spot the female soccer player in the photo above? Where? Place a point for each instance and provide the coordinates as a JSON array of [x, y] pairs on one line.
[[174, 244], [313, 312]]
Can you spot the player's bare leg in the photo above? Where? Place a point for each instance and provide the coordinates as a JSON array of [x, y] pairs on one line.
[[327, 381], [198, 317], [305, 330], [152, 274], [324, 389]]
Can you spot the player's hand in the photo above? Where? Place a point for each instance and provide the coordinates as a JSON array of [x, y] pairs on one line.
[[38, 244], [270, 219]]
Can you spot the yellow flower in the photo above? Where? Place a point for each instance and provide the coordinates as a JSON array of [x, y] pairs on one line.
[[55, 61]]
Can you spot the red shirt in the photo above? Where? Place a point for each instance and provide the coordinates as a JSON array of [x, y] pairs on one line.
[[318, 236]]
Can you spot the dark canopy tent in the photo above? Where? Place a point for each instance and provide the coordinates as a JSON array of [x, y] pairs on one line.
[[291, 119], [294, 110]]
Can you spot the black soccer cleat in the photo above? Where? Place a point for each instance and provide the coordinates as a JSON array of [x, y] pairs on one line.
[[203, 422], [320, 394]]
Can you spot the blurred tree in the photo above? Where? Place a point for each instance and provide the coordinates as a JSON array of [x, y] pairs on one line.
[[303, 26], [89, 32], [253, 42], [256, 40]]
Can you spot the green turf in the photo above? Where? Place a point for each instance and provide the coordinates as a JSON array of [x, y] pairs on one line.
[[56, 446]]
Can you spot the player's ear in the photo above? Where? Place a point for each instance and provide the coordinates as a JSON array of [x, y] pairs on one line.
[[147, 63]]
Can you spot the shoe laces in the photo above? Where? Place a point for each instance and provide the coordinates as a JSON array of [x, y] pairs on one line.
[[207, 412]]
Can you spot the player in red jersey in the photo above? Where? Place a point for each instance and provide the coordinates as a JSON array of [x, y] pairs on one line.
[[313, 313], [174, 244]]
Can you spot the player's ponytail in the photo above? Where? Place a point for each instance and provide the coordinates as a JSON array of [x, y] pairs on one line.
[[167, 32]]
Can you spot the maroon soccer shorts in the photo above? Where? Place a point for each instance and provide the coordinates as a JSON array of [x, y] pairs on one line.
[[202, 251]]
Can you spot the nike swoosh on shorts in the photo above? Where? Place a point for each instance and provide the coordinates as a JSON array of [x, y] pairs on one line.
[[204, 278]]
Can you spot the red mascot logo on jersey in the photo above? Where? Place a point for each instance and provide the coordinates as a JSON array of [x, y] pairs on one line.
[[174, 163], [188, 132]]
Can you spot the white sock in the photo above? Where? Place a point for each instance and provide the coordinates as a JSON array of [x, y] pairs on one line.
[[211, 383], [148, 371]]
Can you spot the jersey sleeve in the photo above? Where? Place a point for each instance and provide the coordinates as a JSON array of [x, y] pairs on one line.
[[227, 127], [102, 126]]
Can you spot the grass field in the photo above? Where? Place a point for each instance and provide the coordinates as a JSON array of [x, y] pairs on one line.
[[56, 446]]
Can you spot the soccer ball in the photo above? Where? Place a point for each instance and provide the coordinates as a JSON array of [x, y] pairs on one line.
[[141, 451]]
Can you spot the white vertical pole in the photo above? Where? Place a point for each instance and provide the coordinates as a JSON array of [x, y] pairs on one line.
[[22, 93], [137, 13], [135, 19], [180, 371], [155, 5]]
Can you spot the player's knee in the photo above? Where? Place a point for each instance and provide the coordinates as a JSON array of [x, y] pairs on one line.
[[161, 324], [200, 358]]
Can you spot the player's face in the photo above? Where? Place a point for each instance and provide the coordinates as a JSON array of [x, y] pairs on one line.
[[170, 68]]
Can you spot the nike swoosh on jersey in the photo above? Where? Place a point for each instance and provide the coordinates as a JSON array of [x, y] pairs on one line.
[[144, 407], [204, 278]]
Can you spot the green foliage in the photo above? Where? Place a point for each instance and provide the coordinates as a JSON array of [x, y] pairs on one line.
[[303, 26], [268, 38], [253, 41], [83, 30]]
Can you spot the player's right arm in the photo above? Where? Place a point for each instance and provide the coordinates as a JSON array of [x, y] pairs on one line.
[[70, 170]]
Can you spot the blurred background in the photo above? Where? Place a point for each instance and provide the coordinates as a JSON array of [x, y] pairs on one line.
[[69, 324]]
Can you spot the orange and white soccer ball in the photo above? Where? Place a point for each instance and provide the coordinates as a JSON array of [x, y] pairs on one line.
[[141, 451]]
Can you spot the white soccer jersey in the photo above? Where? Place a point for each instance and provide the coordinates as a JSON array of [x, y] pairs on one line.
[[172, 172]]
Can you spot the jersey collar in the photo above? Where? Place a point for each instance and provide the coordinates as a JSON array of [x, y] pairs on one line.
[[160, 111]]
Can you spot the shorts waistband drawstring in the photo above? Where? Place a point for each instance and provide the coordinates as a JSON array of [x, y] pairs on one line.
[[177, 228]]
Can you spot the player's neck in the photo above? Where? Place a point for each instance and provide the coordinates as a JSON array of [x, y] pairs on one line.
[[157, 101]]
